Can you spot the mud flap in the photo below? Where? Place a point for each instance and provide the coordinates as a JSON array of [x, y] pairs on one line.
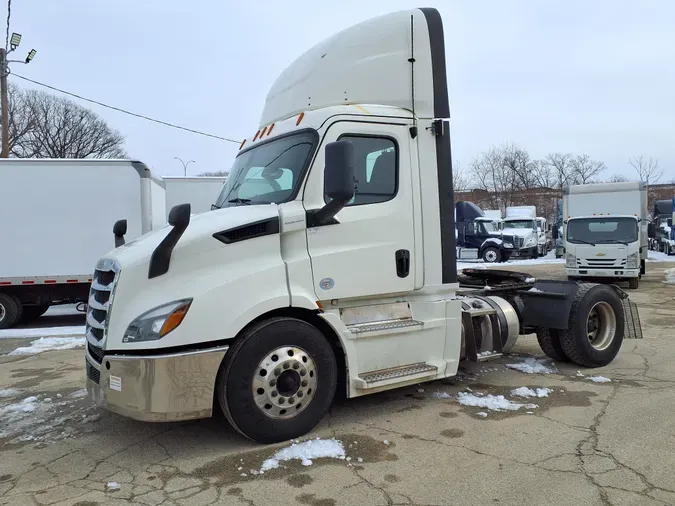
[[631, 316]]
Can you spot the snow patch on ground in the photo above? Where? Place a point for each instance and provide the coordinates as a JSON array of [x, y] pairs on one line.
[[491, 402], [50, 344], [532, 365], [657, 256], [45, 332], [9, 392], [441, 395], [529, 392], [599, 379], [306, 452], [670, 276]]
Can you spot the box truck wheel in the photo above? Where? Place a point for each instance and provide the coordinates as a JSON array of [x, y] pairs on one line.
[[633, 283], [549, 341], [278, 380], [491, 255], [10, 310], [596, 326]]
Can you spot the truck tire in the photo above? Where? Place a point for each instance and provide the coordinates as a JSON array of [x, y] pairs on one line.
[[633, 283], [10, 310], [491, 255], [278, 380], [32, 313], [549, 341], [596, 326]]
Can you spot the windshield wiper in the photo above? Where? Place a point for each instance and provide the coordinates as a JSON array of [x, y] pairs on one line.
[[239, 201], [582, 241], [615, 241]]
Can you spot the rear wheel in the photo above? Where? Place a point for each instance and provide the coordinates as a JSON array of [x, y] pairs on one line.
[[32, 313], [278, 381], [10, 310], [549, 341], [491, 255], [596, 326]]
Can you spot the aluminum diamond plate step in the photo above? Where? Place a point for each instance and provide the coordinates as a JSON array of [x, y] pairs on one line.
[[405, 372], [383, 325]]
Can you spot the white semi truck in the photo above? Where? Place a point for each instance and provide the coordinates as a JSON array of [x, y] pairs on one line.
[[200, 192], [521, 221], [606, 231], [339, 272], [57, 216]]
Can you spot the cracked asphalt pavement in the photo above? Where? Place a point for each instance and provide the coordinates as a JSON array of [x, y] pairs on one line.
[[604, 443]]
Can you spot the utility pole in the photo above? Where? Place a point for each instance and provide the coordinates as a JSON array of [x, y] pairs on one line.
[[184, 164], [4, 90]]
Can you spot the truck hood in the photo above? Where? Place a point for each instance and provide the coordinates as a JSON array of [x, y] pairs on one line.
[[520, 232], [202, 226]]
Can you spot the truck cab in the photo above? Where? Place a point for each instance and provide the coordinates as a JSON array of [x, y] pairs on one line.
[[339, 273], [521, 221], [478, 236], [661, 230]]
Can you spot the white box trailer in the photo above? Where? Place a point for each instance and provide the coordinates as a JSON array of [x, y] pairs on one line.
[[606, 231], [200, 192], [58, 216]]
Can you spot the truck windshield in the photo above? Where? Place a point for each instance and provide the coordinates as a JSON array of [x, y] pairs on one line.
[[487, 227], [268, 173], [602, 230], [519, 224]]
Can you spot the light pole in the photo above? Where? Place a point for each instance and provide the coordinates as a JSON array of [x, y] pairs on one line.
[[4, 99], [184, 164]]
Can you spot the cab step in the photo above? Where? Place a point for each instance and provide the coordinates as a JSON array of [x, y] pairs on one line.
[[410, 372], [487, 356], [386, 325]]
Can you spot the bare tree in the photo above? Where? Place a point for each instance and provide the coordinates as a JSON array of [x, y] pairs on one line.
[[493, 171], [218, 173], [46, 126], [460, 180], [560, 169], [617, 178], [584, 169], [648, 170]]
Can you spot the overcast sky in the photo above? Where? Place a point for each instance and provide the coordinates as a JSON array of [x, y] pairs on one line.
[[595, 77]]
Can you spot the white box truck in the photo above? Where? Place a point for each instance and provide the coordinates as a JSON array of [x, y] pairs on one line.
[[521, 221], [200, 192], [57, 220], [337, 268], [606, 231]]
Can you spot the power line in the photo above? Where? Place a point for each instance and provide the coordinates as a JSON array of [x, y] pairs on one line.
[[125, 111]]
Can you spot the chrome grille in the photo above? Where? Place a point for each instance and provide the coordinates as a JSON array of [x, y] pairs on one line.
[[100, 299]]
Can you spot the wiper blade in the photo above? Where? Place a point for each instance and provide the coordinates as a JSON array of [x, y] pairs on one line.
[[239, 201], [583, 242], [612, 241]]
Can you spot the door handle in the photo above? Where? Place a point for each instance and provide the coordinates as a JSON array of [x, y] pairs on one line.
[[403, 263]]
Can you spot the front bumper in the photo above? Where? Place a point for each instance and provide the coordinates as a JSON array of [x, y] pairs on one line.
[[155, 388], [589, 272], [525, 252]]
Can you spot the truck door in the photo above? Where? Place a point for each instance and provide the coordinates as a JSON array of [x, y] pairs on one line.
[[371, 250]]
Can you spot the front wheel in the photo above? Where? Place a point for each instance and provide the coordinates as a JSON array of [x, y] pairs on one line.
[[633, 283], [596, 326], [491, 255], [278, 381]]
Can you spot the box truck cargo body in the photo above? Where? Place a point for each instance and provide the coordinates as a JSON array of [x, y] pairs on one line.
[[58, 216], [200, 192], [606, 231]]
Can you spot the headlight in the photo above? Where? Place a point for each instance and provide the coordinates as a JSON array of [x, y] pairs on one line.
[[156, 323], [570, 260], [508, 245], [632, 261]]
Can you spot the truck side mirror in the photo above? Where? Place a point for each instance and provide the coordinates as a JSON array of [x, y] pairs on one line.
[[554, 231], [179, 216], [119, 231], [338, 180]]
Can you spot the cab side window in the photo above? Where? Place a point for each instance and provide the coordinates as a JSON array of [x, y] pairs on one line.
[[375, 169]]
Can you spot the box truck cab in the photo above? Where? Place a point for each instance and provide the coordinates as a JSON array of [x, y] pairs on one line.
[[340, 270], [606, 231], [521, 221]]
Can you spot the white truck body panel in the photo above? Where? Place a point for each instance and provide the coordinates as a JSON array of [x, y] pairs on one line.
[[494, 214], [63, 212], [606, 200], [199, 192], [529, 233]]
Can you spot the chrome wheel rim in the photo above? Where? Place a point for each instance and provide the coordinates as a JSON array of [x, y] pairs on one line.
[[491, 256], [284, 382], [601, 325], [2, 312]]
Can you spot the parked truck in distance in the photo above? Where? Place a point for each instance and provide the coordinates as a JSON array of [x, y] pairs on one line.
[[661, 229], [337, 269], [478, 236], [200, 192], [606, 231], [521, 221], [58, 215], [559, 230]]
